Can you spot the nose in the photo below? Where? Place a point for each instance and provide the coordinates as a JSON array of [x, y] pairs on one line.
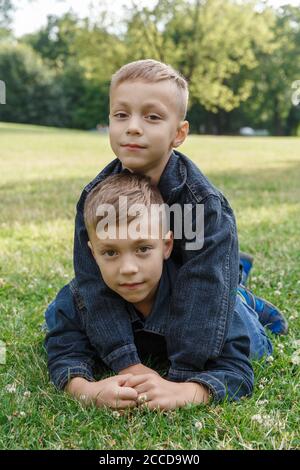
[[134, 126], [128, 266]]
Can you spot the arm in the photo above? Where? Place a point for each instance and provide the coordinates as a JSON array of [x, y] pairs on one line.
[[230, 375], [199, 322], [108, 326], [68, 348]]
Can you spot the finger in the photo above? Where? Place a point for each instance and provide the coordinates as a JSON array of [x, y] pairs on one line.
[[121, 404], [142, 388], [144, 398], [122, 379], [136, 380], [127, 393]]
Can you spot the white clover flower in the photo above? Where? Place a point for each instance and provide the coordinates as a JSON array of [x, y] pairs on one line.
[[198, 425], [296, 358], [270, 359], [257, 418], [277, 292], [261, 386], [27, 394], [262, 402], [11, 388], [264, 380], [116, 414], [22, 414]]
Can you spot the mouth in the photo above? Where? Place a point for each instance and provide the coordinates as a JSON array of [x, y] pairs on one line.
[[132, 286], [133, 146]]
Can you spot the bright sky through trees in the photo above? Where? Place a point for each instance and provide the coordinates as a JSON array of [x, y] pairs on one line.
[[32, 14]]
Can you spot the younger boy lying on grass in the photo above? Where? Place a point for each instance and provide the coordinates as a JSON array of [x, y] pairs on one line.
[[140, 271]]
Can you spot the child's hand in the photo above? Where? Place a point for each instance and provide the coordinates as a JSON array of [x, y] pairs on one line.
[[156, 392], [138, 369], [110, 392]]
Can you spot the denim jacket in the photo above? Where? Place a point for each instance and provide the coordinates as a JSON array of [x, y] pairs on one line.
[[71, 354], [203, 299]]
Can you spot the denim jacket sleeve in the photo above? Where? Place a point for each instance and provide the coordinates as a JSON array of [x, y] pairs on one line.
[[204, 293], [68, 348], [231, 374], [108, 325]]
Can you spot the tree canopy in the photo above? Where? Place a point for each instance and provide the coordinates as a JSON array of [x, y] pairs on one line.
[[240, 61]]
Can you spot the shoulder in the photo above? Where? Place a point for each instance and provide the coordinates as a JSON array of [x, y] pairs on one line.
[[112, 168], [197, 184]]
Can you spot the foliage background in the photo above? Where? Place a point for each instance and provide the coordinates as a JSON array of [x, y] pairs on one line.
[[240, 58]]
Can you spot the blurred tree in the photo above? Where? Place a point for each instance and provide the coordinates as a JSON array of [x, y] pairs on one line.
[[6, 10], [276, 73], [31, 92], [209, 41], [240, 62]]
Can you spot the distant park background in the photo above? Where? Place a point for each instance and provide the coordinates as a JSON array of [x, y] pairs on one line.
[[241, 58]]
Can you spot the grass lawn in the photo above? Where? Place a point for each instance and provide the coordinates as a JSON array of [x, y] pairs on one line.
[[42, 173]]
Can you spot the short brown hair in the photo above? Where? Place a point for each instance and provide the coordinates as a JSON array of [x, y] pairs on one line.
[[137, 188], [151, 71]]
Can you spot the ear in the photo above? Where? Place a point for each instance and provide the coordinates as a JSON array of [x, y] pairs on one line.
[[168, 244], [91, 248], [181, 133]]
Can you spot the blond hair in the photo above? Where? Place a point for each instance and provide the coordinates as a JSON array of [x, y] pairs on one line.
[[137, 188], [152, 71]]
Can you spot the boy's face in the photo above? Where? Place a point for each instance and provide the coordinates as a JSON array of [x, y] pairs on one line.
[[132, 267], [145, 115]]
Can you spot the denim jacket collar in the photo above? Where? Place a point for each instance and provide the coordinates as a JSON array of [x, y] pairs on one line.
[[173, 178]]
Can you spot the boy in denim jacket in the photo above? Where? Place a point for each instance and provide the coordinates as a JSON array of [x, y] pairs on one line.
[[148, 103], [138, 269]]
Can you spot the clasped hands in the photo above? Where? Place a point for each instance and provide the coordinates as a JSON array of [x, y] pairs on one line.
[[154, 392], [137, 386]]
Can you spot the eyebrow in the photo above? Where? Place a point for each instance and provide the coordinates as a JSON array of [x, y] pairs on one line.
[[147, 105], [106, 246]]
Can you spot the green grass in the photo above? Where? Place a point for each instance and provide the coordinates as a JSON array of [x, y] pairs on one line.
[[42, 173]]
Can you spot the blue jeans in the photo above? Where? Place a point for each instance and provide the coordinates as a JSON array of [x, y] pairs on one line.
[[260, 344]]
